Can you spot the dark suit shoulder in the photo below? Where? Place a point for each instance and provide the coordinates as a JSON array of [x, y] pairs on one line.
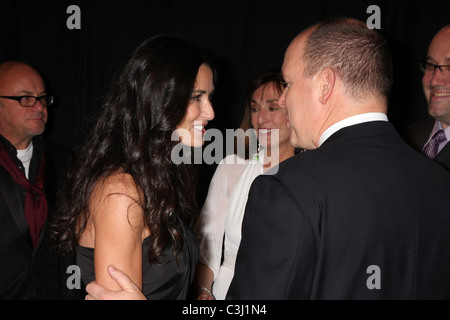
[[275, 220], [305, 164], [424, 124], [294, 185]]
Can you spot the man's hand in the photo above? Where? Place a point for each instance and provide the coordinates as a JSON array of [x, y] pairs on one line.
[[130, 291]]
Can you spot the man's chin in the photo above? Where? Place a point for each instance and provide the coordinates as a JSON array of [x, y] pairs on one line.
[[438, 109], [35, 132]]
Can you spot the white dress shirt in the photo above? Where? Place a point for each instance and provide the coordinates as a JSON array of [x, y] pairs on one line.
[[360, 118], [25, 157]]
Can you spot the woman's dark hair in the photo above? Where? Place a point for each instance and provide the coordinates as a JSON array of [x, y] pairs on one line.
[[146, 102], [256, 83]]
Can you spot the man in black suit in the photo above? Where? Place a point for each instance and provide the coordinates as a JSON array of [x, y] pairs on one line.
[[426, 136], [31, 170], [361, 215]]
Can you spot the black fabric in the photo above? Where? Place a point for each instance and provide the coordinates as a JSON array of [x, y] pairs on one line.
[[169, 280], [364, 198], [26, 273]]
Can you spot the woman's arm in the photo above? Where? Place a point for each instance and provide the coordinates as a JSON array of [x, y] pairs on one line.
[[204, 278], [129, 289], [119, 229], [210, 230]]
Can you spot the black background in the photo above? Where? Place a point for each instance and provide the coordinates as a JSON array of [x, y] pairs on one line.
[[245, 37]]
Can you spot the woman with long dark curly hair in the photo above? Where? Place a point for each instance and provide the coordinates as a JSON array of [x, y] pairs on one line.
[[125, 202]]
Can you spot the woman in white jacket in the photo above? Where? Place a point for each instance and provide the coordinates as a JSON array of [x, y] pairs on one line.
[[219, 224]]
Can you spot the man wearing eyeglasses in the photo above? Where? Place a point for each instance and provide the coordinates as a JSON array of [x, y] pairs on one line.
[[432, 135], [30, 170]]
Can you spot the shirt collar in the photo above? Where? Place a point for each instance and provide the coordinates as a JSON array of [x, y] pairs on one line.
[[438, 126], [360, 118]]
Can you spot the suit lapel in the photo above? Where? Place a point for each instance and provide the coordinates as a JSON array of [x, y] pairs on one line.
[[443, 157], [8, 190], [423, 134], [41, 238]]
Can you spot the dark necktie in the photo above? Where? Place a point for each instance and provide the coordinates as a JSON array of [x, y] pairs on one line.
[[431, 149]]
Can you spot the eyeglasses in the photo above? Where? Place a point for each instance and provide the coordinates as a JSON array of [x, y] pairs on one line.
[[29, 101], [428, 67]]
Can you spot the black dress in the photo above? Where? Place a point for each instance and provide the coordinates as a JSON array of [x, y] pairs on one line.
[[169, 280]]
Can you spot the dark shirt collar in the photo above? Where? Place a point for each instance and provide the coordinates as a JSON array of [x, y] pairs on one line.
[[37, 151]]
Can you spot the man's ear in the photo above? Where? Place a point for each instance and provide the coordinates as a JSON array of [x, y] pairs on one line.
[[327, 79]]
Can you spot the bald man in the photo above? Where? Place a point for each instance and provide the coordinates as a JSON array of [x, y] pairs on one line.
[[432, 135], [30, 173], [358, 215]]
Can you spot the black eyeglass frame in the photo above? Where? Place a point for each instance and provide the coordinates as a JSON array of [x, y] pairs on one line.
[[424, 62], [36, 99]]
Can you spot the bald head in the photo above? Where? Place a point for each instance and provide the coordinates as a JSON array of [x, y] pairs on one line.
[[7, 67], [442, 34], [439, 48], [358, 55], [20, 124], [333, 70]]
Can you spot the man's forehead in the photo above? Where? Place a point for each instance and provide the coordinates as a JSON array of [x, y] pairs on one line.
[[442, 38], [19, 75], [297, 45], [293, 55], [13, 68]]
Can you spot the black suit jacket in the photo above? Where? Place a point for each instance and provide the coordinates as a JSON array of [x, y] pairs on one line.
[[321, 226], [26, 273], [418, 134]]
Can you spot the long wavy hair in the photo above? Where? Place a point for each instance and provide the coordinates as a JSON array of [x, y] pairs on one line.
[[146, 102]]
